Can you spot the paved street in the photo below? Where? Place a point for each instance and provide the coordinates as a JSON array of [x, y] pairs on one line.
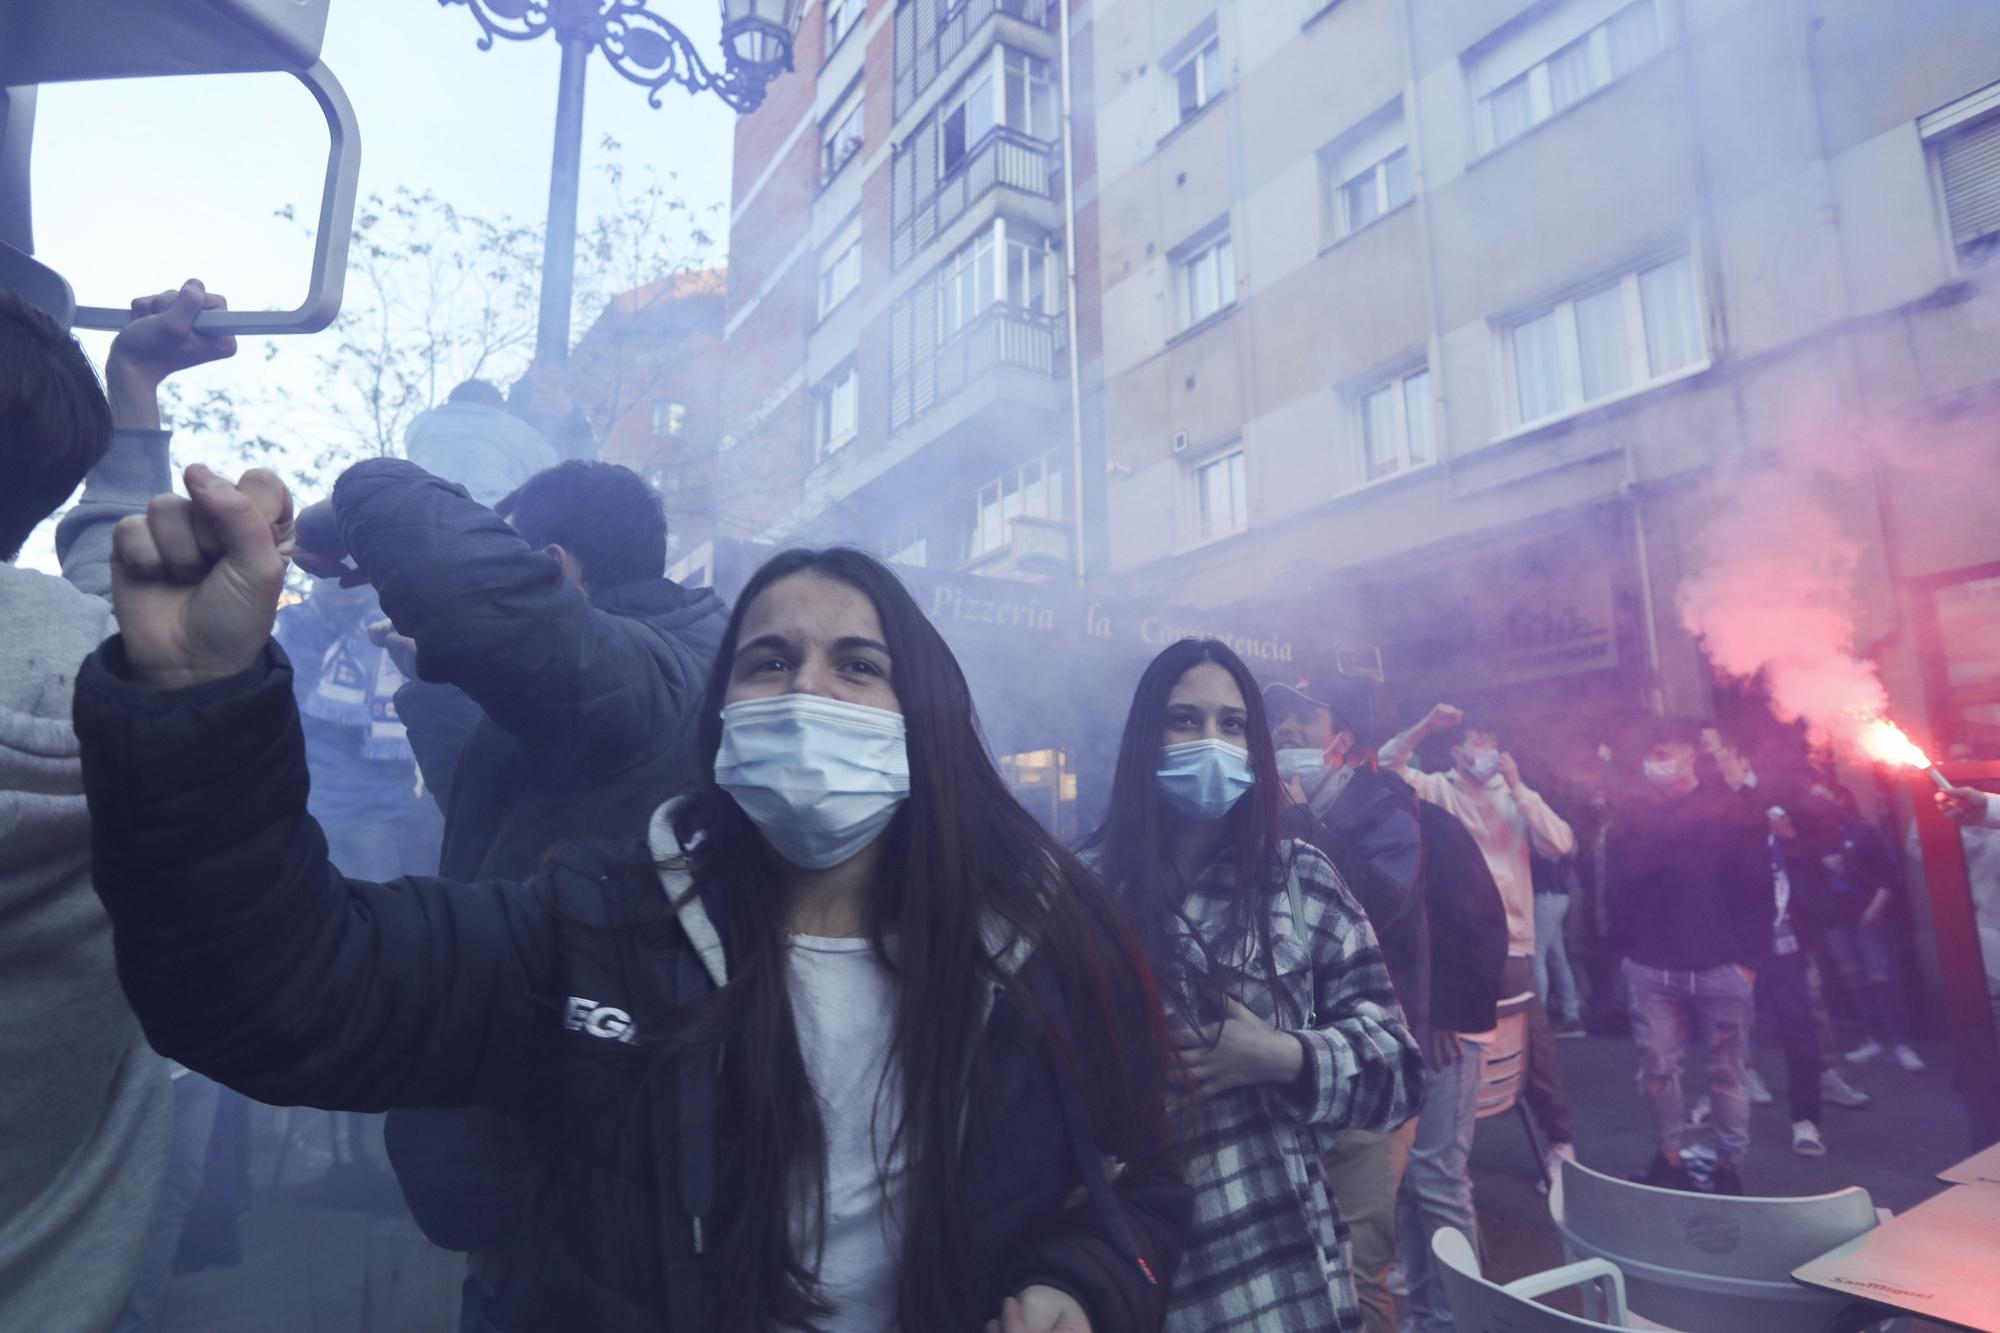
[[304, 1265]]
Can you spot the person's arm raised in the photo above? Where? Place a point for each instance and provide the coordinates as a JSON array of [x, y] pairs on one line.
[[1399, 755], [160, 341], [245, 954]]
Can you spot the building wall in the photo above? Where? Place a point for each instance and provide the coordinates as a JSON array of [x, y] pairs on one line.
[[894, 479], [650, 373], [1775, 144]]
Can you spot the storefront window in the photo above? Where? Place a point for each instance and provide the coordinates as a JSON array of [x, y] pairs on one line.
[[1042, 782], [1968, 621]]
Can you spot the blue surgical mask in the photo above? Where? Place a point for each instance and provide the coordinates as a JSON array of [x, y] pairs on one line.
[[1485, 763], [1301, 763], [1204, 779], [818, 777]]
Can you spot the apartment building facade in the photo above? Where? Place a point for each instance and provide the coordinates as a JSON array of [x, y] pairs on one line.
[[901, 291], [1453, 323], [649, 372]]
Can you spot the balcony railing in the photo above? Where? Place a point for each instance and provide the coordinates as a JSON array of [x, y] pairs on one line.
[[929, 33], [925, 373], [1004, 157]]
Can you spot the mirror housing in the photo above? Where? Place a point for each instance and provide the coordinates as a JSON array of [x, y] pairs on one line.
[[61, 41]]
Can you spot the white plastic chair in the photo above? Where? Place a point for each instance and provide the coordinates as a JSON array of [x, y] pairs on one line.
[[1713, 1262], [1477, 1303]]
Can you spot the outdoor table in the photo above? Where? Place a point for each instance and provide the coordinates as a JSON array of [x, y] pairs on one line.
[[1982, 1168], [1935, 1261]]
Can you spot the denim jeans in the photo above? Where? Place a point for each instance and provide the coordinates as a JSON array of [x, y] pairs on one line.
[[1669, 1011], [195, 1100], [1866, 958], [1552, 958], [1437, 1189]]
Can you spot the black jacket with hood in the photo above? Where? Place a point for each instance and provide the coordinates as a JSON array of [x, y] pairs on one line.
[[587, 701], [545, 715], [1371, 833], [248, 957]]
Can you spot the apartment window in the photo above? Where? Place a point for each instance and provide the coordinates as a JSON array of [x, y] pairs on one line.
[[669, 417], [1030, 94], [1010, 88], [840, 269], [912, 548], [1033, 490], [1205, 276], [969, 115], [1221, 504], [1527, 80], [968, 283], [1034, 273], [1377, 190], [1396, 432], [1963, 140], [842, 135], [842, 17], [1639, 329], [1197, 78], [1365, 173], [839, 410]]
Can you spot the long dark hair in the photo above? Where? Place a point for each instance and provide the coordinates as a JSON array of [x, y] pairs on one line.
[[959, 852], [1131, 843]]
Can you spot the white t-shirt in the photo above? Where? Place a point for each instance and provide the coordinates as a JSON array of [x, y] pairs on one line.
[[844, 1002]]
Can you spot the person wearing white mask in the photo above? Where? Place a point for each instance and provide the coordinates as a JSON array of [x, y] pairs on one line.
[[1509, 819], [848, 1044], [1286, 1023]]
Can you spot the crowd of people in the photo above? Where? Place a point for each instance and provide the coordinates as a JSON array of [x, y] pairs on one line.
[[710, 974]]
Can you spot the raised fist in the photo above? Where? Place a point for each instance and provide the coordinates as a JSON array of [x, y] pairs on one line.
[[195, 582]]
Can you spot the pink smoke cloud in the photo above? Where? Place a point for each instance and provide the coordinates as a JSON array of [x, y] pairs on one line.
[[1775, 592]]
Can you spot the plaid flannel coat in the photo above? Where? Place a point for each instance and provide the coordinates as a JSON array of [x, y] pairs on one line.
[[1267, 1251]]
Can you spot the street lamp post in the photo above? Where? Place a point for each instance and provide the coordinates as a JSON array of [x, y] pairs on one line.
[[649, 51]]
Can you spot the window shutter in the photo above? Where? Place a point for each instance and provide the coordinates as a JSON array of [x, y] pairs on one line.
[[904, 53], [924, 150], [900, 350], [1969, 162], [926, 64], [923, 388]]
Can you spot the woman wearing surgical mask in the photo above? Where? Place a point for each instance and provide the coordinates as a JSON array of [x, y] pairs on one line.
[[1286, 1024], [849, 1045]]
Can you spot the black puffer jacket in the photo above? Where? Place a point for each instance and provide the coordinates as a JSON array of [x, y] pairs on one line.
[[249, 958], [545, 716], [588, 700]]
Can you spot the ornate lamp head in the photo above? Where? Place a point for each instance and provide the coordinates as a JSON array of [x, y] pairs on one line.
[[650, 51], [757, 37]]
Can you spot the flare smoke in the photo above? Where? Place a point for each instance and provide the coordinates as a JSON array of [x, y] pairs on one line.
[[1774, 591]]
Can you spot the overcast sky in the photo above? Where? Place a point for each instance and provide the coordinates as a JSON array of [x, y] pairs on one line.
[[140, 184]]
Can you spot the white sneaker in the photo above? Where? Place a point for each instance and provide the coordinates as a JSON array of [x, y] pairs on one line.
[[1868, 1052], [1835, 1089], [1806, 1141], [1699, 1113], [1911, 1062], [1754, 1089], [1552, 1167]]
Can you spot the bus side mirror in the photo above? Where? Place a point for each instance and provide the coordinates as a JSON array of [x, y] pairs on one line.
[[58, 41]]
